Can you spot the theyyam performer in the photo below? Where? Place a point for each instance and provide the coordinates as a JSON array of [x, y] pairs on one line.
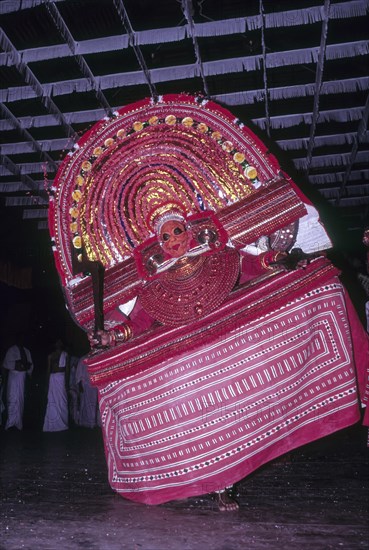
[[221, 336]]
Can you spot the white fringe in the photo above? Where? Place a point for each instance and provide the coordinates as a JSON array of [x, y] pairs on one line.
[[239, 98], [27, 146], [353, 201], [344, 10], [294, 17], [354, 191], [17, 186], [287, 121], [221, 28], [26, 168], [33, 214], [25, 201], [181, 72], [235, 65], [338, 177], [315, 14], [159, 36], [349, 9], [319, 141], [348, 49], [288, 92], [49, 120], [332, 160]]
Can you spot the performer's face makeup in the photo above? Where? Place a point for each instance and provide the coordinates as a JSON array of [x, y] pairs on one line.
[[174, 238]]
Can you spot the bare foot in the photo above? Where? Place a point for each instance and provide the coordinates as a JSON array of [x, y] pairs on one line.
[[225, 502]]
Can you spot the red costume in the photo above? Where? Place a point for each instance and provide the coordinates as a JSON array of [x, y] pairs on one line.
[[229, 359]]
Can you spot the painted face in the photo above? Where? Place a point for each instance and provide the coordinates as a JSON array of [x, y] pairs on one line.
[[174, 238]]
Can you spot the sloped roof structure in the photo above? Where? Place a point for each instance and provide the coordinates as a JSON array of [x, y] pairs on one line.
[[295, 72]]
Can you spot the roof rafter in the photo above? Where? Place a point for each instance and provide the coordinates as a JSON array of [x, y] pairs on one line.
[[264, 66], [187, 9], [59, 23], [318, 82], [122, 12], [33, 144], [363, 125], [8, 167], [34, 84]]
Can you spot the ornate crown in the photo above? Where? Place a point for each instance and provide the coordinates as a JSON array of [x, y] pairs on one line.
[[164, 213]]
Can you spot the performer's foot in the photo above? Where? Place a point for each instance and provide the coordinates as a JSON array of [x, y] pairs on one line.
[[225, 502]]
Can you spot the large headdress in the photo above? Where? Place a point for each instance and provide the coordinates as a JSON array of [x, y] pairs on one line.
[[181, 150], [181, 154]]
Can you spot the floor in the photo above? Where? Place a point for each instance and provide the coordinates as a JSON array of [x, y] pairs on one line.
[[54, 494]]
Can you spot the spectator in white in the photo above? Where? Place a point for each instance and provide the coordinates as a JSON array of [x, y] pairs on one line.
[[56, 417], [17, 365], [89, 414]]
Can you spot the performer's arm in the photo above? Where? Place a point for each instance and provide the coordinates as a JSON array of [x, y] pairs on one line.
[[253, 266], [125, 327]]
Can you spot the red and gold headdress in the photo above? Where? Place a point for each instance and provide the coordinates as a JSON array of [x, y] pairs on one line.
[[181, 154], [181, 149]]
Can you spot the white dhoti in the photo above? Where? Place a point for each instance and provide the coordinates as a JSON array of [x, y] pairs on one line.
[[56, 417], [15, 356], [15, 399]]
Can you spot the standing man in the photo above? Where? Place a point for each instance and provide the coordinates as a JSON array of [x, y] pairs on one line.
[[17, 364], [57, 416]]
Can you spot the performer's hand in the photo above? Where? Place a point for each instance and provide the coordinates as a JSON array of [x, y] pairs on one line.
[[100, 338], [294, 260]]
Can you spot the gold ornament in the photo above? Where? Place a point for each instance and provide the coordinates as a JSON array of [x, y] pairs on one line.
[[108, 142], [77, 195], [77, 242], [137, 126], [239, 157], [97, 151], [187, 121], [251, 172], [202, 127], [227, 146], [170, 120], [73, 212]]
